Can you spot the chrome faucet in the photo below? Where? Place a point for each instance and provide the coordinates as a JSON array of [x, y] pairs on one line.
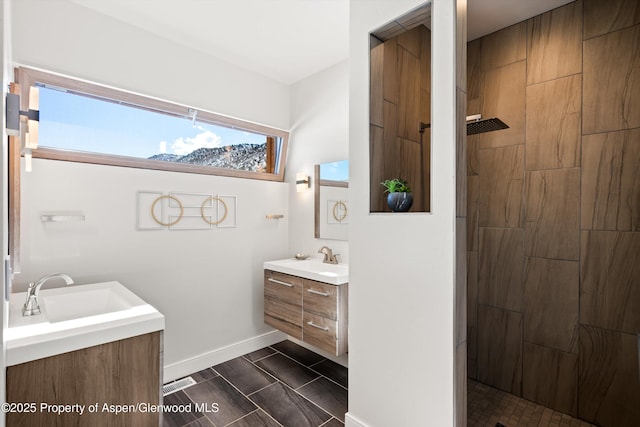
[[329, 256], [31, 306]]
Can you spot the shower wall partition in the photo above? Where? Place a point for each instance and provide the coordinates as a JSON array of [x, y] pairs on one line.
[[553, 212]]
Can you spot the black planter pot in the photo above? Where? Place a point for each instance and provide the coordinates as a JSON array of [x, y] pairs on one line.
[[399, 202]]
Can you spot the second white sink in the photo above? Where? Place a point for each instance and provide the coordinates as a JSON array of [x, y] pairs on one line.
[[334, 274]]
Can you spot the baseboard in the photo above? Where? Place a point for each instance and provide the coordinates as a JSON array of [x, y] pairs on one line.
[[219, 355], [351, 421]]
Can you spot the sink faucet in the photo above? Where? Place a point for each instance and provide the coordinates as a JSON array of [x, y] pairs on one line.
[[329, 256], [31, 306]]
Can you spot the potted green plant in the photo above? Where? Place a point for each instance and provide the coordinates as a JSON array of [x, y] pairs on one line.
[[399, 198]]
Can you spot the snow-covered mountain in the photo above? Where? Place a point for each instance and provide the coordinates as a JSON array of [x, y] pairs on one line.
[[248, 157]]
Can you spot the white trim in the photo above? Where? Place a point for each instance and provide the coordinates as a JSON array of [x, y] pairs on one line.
[[351, 421], [219, 355]]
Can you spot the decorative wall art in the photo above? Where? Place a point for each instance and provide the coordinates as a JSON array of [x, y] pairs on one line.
[[185, 211], [337, 212]]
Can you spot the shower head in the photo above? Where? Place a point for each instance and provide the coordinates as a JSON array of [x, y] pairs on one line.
[[476, 125]]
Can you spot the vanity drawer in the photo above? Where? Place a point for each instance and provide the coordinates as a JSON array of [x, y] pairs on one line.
[[283, 302], [283, 316], [283, 287], [320, 332], [320, 299]]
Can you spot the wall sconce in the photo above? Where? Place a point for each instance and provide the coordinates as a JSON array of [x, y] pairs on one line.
[[23, 124], [302, 182]]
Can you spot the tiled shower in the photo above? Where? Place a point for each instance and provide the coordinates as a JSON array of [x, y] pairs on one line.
[[553, 211]]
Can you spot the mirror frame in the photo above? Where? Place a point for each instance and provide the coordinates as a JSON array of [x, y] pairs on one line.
[[317, 183]]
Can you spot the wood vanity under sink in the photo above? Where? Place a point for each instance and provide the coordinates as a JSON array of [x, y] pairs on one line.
[[82, 370], [309, 310]]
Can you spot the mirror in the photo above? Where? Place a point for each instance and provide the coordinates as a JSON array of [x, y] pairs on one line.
[[331, 187]]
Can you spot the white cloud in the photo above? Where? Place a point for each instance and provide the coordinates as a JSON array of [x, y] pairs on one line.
[[206, 139], [163, 147]]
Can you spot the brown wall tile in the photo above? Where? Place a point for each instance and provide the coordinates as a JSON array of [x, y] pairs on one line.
[[461, 281], [376, 147], [461, 205], [500, 266], [425, 59], [601, 17], [461, 385], [501, 187], [550, 377], [551, 291], [461, 154], [552, 228], [409, 167], [611, 181], [473, 192], [473, 68], [472, 308], [504, 47], [461, 44], [411, 41], [611, 98], [610, 278], [409, 96], [500, 349], [608, 386], [472, 154], [473, 107], [554, 43], [425, 108], [553, 124], [472, 369], [376, 99], [503, 96], [391, 81]]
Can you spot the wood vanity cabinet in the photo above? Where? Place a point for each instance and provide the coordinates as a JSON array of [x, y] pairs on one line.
[[311, 311], [283, 302], [124, 372]]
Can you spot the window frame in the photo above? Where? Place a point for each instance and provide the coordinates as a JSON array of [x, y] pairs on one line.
[[28, 77]]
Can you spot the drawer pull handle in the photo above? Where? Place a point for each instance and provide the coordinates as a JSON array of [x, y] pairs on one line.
[[324, 328], [280, 283], [313, 291]]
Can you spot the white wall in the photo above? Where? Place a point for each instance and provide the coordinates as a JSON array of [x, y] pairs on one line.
[[67, 38], [401, 346], [319, 134], [207, 283]]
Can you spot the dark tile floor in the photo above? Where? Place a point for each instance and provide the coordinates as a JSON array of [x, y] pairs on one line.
[[281, 385], [487, 406], [286, 385]]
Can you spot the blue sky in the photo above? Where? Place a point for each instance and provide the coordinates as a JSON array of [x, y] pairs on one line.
[[80, 123], [335, 171]]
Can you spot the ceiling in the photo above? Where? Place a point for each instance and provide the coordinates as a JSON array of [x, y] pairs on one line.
[[286, 40]]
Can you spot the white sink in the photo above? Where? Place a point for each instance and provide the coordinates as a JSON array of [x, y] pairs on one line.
[[313, 269], [75, 317], [84, 302]]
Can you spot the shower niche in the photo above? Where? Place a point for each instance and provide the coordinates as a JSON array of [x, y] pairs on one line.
[[400, 106]]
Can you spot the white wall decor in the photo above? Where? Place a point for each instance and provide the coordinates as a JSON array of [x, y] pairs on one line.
[[337, 212], [185, 211]]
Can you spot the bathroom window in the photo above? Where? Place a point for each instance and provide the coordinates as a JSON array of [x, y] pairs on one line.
[[89, 123]]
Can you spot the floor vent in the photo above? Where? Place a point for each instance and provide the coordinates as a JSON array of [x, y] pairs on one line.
[[177, 385]]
